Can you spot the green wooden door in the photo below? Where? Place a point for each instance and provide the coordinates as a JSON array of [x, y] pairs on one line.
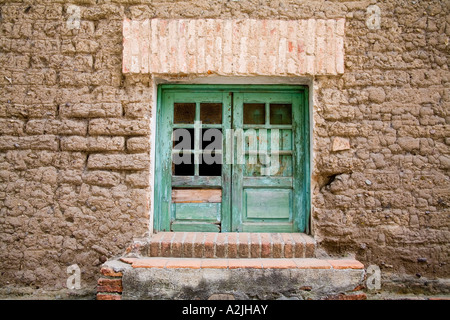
[[258, 139]]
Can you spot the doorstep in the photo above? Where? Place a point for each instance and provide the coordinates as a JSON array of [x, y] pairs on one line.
[[225, 245], [203, 278]]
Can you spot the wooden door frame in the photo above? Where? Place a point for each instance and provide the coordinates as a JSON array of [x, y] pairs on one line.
[[162, 194]]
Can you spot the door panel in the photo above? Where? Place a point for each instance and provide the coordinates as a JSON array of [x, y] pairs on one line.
[[264, 204]]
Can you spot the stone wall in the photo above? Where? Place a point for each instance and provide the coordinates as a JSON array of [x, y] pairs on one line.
[[75, 131]]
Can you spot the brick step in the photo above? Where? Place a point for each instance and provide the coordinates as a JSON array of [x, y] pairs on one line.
[[226, 245]]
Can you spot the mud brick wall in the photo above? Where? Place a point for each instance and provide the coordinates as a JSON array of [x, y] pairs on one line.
[[74, 134]]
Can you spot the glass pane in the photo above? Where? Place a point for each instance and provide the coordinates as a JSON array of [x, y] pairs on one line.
[[285, 169], [211, 139], [183, 139], [252, 166], [281, 165], [183, 112], [211, 164], [280, 113], [254, 113], [183, 164], [286, 139], [211, 113]]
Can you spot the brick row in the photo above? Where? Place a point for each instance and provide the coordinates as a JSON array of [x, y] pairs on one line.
[[264, 47], [243, 263], [230, 245]]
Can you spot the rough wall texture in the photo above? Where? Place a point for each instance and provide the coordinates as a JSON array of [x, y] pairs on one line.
[[74, 144]]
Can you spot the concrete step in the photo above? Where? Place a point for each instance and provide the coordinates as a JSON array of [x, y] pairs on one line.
[[246, 278], [225, 245]]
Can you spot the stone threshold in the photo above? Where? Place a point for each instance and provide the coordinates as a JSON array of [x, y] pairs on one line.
[[246, 278], [225, 245], [242, 263]]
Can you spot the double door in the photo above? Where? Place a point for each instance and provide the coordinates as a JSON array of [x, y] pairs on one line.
[[232, 159]]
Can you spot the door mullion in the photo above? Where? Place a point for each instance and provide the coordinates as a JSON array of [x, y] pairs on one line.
[[227, 99], [197, 134]]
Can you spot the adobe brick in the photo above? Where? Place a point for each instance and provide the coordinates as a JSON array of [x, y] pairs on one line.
[[77, 143], [40, 142], [11, 127], [119, 127], [91, 110], [138, 144], [101, 178], [119, 161], [60, 127]]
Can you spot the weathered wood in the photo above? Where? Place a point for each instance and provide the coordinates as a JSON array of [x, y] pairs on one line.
[[196, 195], [181, 226], [262, 182], [268, 203], [196, 181], [197, 211]]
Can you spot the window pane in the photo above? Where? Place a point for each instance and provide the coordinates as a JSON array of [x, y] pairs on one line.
[[183, 138], [281, 165], [183, 164], [280, 113], [211, 165], [254, 113], [211, 113], [211, 139], [286, 139], [183, 112]]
